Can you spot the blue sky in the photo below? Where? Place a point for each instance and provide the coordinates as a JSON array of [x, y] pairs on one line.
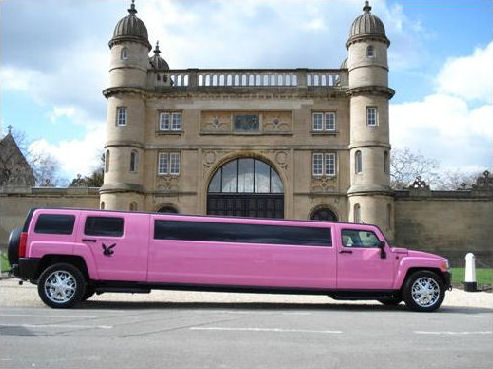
[[54, 59]]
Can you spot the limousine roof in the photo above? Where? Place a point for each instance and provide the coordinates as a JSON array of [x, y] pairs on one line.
[[31, 211]]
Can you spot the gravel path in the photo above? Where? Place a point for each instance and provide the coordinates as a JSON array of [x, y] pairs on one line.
[[12, 294]]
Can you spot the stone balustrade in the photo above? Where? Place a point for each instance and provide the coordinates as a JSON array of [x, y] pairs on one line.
[[251, 78]]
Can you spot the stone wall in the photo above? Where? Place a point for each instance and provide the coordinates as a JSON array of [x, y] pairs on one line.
[[15, 203], [448, 223]]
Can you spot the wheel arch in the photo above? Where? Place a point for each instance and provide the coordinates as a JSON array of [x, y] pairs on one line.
[[77, 261]]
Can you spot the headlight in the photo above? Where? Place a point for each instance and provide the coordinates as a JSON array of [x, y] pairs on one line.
[[445, 265]]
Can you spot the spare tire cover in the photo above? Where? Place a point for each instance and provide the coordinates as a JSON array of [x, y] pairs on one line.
[[13, 247]]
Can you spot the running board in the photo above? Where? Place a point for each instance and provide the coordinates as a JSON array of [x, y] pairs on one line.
[[101, 290]]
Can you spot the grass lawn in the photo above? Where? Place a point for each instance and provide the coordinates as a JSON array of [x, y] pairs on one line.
[[483, 275], [5, 262]]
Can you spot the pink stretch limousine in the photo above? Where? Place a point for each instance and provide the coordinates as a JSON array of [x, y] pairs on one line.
[[73, 253]]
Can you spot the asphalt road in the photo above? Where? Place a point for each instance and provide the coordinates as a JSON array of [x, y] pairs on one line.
[[157, 334]]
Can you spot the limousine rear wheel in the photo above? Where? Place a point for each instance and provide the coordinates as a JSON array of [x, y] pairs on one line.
[[61, 285], [423, 291]]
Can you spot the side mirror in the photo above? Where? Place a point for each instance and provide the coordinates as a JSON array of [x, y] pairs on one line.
[[381, 246]]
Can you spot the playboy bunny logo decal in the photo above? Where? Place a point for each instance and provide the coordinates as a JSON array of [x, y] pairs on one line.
[[108, 250]]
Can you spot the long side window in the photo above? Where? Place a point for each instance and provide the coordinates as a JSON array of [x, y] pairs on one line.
[[239, 232]]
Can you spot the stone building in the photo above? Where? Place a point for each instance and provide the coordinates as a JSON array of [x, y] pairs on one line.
[[14, 168], [299, 144]]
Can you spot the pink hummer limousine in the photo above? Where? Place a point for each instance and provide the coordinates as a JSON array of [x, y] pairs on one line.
[[73, 253]]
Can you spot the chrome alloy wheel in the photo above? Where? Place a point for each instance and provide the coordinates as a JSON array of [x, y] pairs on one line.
[[60, 286], [425, 291]]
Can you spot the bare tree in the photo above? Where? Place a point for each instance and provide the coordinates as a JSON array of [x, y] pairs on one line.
[[95, 179], [406, 166], [457, 180]]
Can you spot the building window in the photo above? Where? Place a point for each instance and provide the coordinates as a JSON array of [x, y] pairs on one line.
[[170, 121], [324, 121], [102, 206], [134, 157], [357, 213], [371, 117], [124, 54], [133, 206], [169, 163], [358, 162], [386, 163], [121, 116], [107, 161], [324, 164], [389, 216], [370, 51]]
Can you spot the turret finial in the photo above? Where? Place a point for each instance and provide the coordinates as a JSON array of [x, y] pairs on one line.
[[367, 7], [132, 10], [10, 128], [156, 50]]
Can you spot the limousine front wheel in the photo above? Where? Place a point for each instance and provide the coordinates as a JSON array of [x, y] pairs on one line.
[[423, 291], [61, 285]]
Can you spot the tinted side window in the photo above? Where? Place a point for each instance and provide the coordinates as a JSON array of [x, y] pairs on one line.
[[104, 226], [54, 224], [359, 238], [234, 232]]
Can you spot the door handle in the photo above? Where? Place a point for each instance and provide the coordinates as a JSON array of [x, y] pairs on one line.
[[88, 240], [345, 252]]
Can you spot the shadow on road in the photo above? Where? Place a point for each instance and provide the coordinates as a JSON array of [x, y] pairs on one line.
[[270, 306]]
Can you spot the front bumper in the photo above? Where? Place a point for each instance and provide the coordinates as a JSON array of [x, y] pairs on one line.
[[447, 278], [26, 269]]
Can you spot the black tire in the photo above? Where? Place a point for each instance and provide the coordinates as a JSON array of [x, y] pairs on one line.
[[71, 288], [90, 291], [423, 291], [391, 301], [13, 245]]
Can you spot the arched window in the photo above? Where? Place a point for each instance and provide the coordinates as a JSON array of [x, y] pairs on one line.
[[324, 214], [386, 164], [389, 216], [107, 160], [246, 175], [169, 209], [133, 206], [358, 162], [370, 51], [102, 205], [124, 53], [134, 156], [357, 213]]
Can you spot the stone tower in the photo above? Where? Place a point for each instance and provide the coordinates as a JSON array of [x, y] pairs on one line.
[[124, 170], [370, 197]]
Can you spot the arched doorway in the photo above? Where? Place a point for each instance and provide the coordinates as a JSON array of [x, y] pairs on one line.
[[168, 209], [323, 214], [246, 187]]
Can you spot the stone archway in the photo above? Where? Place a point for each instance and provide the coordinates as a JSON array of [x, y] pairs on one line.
[[324, 214], [246, 187], [169, 209]]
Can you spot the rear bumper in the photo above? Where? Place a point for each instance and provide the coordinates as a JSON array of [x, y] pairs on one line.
[[26, 268]]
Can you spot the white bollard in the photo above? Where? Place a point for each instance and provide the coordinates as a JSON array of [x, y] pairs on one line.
[[470, 282]]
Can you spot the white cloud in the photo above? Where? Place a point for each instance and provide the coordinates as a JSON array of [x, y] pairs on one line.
[[446, 125], [76, 156], [469, 77]]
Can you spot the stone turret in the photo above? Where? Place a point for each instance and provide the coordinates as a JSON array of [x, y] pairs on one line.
[[129, 61], [370, 196]]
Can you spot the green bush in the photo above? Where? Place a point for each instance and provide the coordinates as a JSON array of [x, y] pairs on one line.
[[5, 262]]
